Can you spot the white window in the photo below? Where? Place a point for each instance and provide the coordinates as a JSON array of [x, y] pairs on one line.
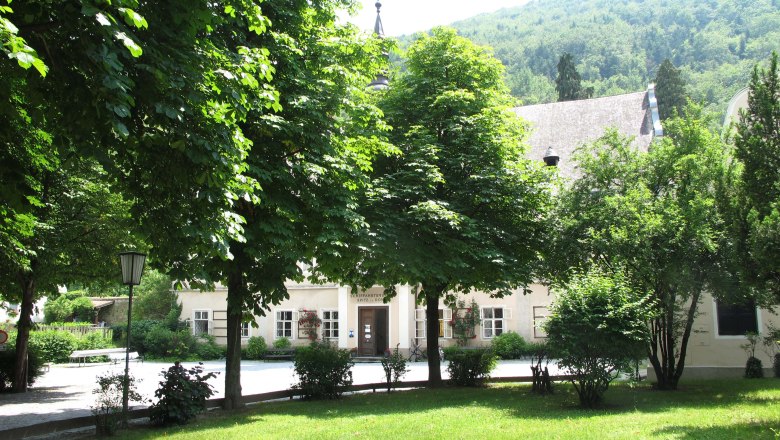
[[330, 324], [494, 321], [244, 329], [445, 328], [201, 324], [286, 320], [540, 315]]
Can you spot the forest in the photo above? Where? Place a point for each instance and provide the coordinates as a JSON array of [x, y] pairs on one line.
[[618, 45]]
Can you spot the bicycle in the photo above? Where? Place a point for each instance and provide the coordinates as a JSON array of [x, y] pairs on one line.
[[416, 352]]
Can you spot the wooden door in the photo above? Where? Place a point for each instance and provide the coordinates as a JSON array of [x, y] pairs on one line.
[[366, 332]]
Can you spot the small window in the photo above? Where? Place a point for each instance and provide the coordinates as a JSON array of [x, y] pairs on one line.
[[330, 324], [540, 316], [736, 319], [445, 328], [201, 323], [244, 329], [284, 324], [494, 321]]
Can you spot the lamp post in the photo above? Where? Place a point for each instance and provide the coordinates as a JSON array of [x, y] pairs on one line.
[[132, 267]]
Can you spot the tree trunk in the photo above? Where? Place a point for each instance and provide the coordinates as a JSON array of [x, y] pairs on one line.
[[667, 366], [23, 333], [236, 288], [432, 295]]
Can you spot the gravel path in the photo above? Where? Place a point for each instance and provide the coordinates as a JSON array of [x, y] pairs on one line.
[[66, 390]]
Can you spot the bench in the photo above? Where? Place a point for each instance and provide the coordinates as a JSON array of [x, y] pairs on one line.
[[116, 358], [280, 354], [82, 355]]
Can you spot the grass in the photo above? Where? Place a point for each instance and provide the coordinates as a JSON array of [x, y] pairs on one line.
[[725, 409]]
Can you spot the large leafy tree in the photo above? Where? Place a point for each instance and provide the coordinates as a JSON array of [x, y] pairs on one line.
[[670, 90], [654, 216], [77, 222], [568, 83], [757, 145], [460, 207], [309, 161], [156, 101]]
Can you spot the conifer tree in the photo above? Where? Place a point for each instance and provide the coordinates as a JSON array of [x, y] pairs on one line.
[[568, 83], [670, 90]]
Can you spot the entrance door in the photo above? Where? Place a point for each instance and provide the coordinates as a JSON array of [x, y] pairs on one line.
[[373, 330]]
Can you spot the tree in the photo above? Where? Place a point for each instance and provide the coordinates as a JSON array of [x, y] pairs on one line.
[[597, 328], [670, 90], [156, 103], [77, 223], [655, 216], [459, 208], [154, 298], [567, 84], [309, 160], [757, 145]]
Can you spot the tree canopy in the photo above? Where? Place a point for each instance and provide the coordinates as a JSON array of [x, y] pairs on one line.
[[670, 90], [655, 217], [459, 207], [568, 83]]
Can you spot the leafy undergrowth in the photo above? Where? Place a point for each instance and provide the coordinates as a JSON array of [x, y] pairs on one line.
[[729, 409]]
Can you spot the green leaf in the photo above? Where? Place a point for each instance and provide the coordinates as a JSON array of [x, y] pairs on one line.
[[132, 46]]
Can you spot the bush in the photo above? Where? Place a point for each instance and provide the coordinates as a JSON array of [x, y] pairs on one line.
[[256, 348], [138, 332], [71, 306], [206, 348], [470, 367], [93, 341], [108, 403], [7, 362], [53, 345], [324, 372], [597, 329], [181, 396], [509, 345], [163, 342], [282, 343], [394, 365], [753, 368]]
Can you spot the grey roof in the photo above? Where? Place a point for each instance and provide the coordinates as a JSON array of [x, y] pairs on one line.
[[564, 126]]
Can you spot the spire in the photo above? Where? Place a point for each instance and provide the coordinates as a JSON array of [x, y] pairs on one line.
[[380, 82], [378, 29]]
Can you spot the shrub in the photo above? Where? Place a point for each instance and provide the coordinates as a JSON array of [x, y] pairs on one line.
[[182, 395], [256, 348], [71, 306], [53, 345], [509, 345], [7, 364], [754, 368], [108, 403], [470, 367], [324, 372], [138, 332], [163, 342], [206, 348], [597, 329], [93, 341], [282, 343], [394, 365]]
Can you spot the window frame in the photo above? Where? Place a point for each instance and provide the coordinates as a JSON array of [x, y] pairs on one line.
[[248, 327], [209, 322], [538, 320], [331, 320], [716, 322], [293, 324], [445, 329], [506, 314]]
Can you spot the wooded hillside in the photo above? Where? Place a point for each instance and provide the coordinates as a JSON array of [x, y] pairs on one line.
[[618, 45]]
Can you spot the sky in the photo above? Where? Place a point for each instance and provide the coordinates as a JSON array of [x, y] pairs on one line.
[[403, 17]]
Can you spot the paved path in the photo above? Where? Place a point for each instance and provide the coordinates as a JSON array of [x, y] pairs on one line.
[[66, 390]]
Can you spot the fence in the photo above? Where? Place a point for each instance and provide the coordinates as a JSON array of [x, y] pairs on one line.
[[79, 330]]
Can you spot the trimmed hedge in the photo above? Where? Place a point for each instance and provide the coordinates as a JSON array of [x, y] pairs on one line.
[[324, 372], [510, 345], [469, 367]]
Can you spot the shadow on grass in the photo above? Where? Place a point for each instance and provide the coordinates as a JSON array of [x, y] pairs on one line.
[[755, 431], [518, 402]]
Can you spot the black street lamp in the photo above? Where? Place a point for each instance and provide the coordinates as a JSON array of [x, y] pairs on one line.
[[132, 267]]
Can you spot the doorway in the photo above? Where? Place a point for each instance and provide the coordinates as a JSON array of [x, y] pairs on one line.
[[373, 331]]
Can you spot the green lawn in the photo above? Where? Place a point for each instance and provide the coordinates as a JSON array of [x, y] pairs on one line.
[[735, 409]]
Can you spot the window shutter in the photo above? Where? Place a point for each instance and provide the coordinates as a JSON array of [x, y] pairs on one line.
[[211, 327], [419, 314], [447, 314], [507, 313]]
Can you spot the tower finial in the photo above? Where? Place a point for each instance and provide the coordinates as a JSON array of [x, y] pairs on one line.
[[380, 82], [378, 29]]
